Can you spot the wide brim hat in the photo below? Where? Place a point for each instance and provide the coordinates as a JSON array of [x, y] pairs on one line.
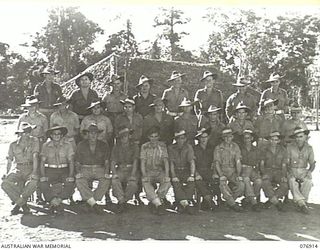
[[269, 101], [93, 104], [88, 74], [124, 131], [274, 133], [25, 127], [30, 101], [241, 106], [208, 73], [93, 128], [156, 101], [202, 131], [242, 82], [179, 133], [114, 78], [49, 70], [274, 77], [212, 109], [186, 103], [296, 109], [299, 130], [252, 133], [127, 100], [63, 130], [60, 101], [226, 131], [175, 75], [144, 79]]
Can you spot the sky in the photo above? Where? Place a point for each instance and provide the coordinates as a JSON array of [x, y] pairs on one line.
[[20, 20]]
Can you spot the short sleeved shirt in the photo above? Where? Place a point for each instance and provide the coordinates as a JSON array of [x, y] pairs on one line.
[[137, 122], [188, 124], [47, 99], [274, 160], [250, 157], [70, 120], [265, 125], [172, 100], [86, 157], [153, 155], [40, 120], [281, 95], [234, 99], [203, 158], [23, 153], [181, 157], [300, 158], [56, 155], [124, 154], [227, 155]]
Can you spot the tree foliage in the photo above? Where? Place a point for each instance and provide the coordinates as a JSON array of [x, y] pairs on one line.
[[66, 39]]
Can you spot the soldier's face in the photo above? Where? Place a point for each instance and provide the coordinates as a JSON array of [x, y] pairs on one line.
[[209, 82], [213, 116], [275, 83], [96, 110], [145, 88], [159, 108], [181, 140], [187, 109], [56, 135], [92, 135], [247, 138], [228, 138], [203, 139], [154, 137], [32, 109], [269, 109], [84, 82], [274, 140], [301, 138], [117, 85], [124, 138], [128, 108], [241, 114], [295, 115], [177, 82], [49, 77]]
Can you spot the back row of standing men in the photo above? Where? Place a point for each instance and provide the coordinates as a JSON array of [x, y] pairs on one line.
[[172, 117]]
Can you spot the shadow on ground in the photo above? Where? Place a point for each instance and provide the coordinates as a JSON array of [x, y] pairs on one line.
[[137, 223]]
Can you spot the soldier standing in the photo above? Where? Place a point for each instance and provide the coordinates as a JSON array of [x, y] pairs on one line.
[[173, 96]]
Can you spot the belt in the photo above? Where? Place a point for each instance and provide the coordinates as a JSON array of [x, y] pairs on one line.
[[56, 166], [280, 111], [91, 166], [262, 139], [24, 163], [247, 166], [125, 166]]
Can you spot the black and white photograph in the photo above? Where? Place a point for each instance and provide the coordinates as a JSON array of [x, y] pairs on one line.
[[159, 123]]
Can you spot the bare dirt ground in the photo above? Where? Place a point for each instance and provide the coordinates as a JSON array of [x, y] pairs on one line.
[[139, 224]]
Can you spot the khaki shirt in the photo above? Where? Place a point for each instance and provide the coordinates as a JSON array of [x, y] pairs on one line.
[[39, 119], [264, 125], [227, 155], [214, 97], [281, 95], [113, 103], [174, 100], [23, 153], [181, 157], [275, 160], [103, 123], [56, 155], [288, 127], [300, 158], [70, 120], [136, 125], [247, 99], [154, 156], [187, 123]]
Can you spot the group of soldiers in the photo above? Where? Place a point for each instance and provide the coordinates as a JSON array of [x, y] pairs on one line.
[[208, 149]]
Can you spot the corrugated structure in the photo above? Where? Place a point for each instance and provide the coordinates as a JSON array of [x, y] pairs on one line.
[[158, 70]]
